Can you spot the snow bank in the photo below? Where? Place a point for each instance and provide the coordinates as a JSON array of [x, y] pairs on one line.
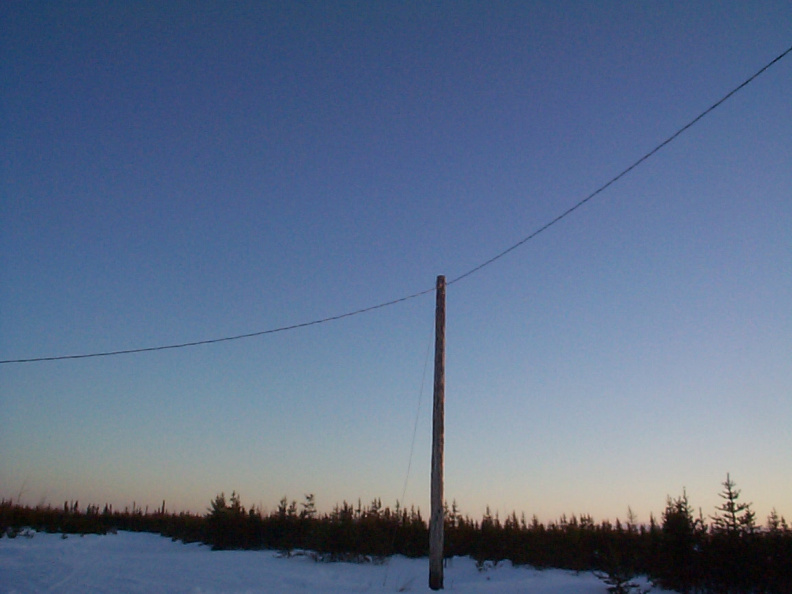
[[141, 562]]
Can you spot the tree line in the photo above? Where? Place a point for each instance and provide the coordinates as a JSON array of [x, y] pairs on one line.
[[728, 551]]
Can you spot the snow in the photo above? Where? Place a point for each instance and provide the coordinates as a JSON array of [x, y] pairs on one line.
[[143, 562]]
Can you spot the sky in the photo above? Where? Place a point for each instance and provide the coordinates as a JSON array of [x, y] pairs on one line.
[[185, 171]]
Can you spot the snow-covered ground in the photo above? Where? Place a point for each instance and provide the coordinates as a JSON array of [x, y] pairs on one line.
[[130, 562]]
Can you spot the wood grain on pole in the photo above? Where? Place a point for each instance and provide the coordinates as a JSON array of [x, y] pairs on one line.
[[438, 438]]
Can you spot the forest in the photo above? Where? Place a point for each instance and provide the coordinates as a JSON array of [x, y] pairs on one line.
[[727, 551]]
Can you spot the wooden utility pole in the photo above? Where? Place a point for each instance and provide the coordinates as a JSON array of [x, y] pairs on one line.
[[438, 437]]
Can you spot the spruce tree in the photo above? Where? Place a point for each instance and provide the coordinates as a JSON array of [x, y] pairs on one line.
[[735, 565], [679, 563], [735, 518]]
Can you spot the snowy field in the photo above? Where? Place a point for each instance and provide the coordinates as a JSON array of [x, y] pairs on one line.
[[132, 562]]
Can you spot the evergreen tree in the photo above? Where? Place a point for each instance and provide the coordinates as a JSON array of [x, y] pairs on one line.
[[735, 564], [225, 523], [777, 551], [735, 518], [308, 507], [679, 564]]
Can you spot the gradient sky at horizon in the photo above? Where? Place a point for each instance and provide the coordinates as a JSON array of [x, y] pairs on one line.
[[182, 171]]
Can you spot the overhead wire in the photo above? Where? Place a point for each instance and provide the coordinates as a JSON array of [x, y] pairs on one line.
[[224, 339], [624, 172], [470, 272], [412, 443]]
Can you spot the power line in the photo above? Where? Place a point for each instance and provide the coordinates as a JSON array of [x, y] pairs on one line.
[[225, 339], [616, 178], [470, 272]]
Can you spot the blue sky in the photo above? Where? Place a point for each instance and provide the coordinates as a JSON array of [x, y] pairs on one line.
[[188, 171]]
